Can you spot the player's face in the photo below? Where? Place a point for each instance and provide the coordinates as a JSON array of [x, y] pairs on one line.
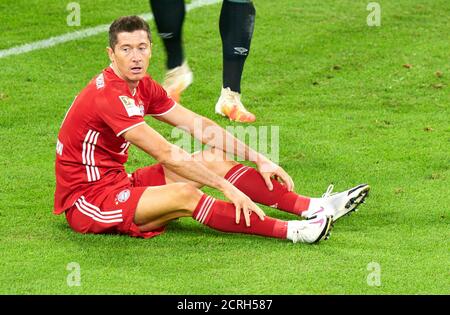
[[131, 55]]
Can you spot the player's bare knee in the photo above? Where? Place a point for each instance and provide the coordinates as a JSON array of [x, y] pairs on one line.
[[216, 161], [189, 195], [215, 155]]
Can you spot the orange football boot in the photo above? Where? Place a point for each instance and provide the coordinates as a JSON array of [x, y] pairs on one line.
[[230, 105]]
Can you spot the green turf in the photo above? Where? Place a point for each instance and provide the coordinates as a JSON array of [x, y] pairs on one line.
[[348, 111]]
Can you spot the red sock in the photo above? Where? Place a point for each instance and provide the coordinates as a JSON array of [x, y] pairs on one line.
[[250, 182], [221, 215]]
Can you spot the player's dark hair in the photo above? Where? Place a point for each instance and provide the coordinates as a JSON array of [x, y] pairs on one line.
[[127, 24]]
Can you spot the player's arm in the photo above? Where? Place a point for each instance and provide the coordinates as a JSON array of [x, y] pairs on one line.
[[182, 163], [210, 133]]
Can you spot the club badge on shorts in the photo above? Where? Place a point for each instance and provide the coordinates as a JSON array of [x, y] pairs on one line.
[[123, 196]]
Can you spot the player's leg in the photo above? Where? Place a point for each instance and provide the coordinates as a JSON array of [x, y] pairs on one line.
[[246, 179], [237, 20], [161, 204], [169, 18], [249, 181]]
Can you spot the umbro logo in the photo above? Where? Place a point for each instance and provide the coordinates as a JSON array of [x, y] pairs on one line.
[[241, 51], [166, 35]]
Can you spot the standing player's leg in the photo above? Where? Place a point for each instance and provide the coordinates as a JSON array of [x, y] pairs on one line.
[[169, 18], [160, 204], [237, 20]]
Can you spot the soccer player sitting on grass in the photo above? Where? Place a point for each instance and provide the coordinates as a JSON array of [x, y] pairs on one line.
[[98, 196]]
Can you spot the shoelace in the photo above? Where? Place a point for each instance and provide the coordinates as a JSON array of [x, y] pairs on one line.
[[329, 191], [241, 106], [236, 99]]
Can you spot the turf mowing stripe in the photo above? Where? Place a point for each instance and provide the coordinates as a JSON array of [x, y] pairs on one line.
[[56, 40]]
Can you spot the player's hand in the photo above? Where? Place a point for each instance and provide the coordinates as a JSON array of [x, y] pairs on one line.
[[242, 203], [270, 170]]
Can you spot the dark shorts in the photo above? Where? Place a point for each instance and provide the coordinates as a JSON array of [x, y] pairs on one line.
[[112, 211]]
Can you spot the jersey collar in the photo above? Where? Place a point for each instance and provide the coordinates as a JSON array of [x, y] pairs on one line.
[[114, 77]]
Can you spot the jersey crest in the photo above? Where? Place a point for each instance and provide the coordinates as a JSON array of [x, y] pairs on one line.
[[100, 81]]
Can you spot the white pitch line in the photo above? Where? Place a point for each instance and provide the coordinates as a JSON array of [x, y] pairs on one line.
[[56, 40]]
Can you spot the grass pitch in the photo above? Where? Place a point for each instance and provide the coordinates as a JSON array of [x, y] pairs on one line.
[[354, 104]]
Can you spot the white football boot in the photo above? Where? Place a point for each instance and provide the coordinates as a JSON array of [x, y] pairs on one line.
[[230, 105], [177, 80], [310, 231], [337, 204]]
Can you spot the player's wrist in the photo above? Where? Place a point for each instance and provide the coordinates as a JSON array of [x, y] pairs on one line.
[[224, 185], [265, 165]]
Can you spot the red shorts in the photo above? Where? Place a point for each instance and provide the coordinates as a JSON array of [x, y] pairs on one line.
[[112, 211]]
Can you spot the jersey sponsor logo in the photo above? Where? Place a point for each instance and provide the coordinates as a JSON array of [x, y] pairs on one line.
[[59, 147], [123, 195], [130, 106], [240, 51], [100, 81]]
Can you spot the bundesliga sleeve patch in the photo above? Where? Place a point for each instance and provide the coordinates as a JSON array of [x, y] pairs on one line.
[[130, 106]]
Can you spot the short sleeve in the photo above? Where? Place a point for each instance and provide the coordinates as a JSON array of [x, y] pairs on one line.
[[120, 113], [159, 103]]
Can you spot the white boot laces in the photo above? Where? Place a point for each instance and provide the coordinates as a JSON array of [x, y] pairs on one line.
[[329, 191], [235, 98]]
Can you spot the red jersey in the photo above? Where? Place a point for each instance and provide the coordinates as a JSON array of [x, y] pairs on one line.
[[90, 151]]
